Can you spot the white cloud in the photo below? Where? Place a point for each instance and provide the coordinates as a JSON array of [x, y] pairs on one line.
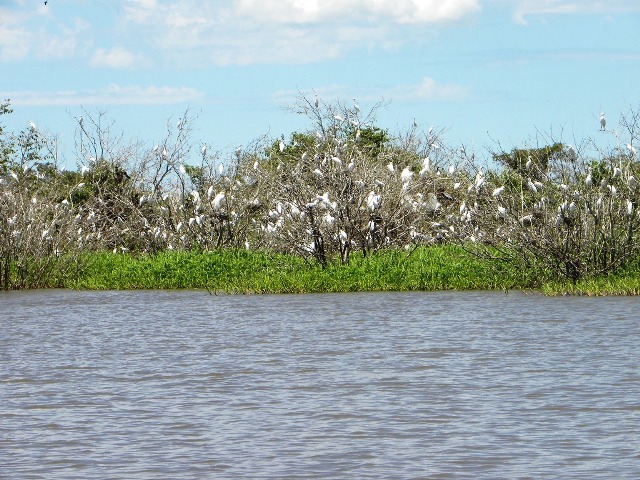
[[431, 90], [527, 8], [113, 58], [427, 90], [317, 11], [283, 31], [112, 95]]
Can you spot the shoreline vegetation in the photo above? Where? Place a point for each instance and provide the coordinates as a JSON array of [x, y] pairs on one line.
[[343, 206], [228, 271]]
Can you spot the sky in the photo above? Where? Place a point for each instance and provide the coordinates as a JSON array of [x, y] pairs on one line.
[[491, 74]]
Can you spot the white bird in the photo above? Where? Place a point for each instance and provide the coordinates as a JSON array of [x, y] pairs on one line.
[[532, 186], [318, 173], [210, 193], [502, 212], [182, 169], [217, 200], [343, 236], [32, 126], [204, 150], [390, 167], [426, 165], [616, 172], [497, 191], [281, 146], [356, 107], [336, 160], [84, 170], [629, 207], [632, 182], [329, 219], [632, 150], [406, 175], [373, 201], [603, 122], [589, 180]]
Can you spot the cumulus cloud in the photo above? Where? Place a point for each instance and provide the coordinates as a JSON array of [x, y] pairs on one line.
[[112, 95]]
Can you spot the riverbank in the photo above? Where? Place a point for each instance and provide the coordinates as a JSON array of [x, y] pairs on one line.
[[233, 271], [239, 271]]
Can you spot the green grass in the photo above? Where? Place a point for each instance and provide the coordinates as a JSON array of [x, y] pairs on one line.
[[241, 271]]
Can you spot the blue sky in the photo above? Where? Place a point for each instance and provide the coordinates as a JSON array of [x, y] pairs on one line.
[[486, 71]]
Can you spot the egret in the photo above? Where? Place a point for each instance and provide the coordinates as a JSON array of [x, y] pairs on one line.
[[343, 236], [183, 170], [84, 170], [497, 191], [532, 186], [317, 102], [217, 200], [336, 160], [281, 146], [406, 175], [431, 204], [328, 219], [32, 126], [502, 212], [616, 172], [632, 150], [603, 122], [210, 193], [589, 180], [318, 173], [425, 166], [529, 162], [356, 107], [629, 207], [452, 169], [373, 201], [204, 151]]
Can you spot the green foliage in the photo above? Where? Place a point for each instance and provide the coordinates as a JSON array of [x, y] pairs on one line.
[[442, 267], [532, 162], [6, 146]]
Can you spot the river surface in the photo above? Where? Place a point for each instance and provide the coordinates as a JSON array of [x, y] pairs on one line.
[[185, 385]]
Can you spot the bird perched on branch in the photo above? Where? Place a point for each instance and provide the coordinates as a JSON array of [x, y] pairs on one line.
[[603, 122]]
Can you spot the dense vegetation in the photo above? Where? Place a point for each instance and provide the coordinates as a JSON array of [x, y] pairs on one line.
[[344, 206]]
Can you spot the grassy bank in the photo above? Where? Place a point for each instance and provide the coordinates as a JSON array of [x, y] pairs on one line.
[[240, 271]]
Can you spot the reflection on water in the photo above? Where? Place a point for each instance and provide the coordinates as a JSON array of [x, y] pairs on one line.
[[179, 384]]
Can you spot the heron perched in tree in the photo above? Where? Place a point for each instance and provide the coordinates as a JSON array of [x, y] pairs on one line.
[[603, 122]]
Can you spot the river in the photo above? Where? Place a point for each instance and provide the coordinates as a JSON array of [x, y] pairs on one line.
[[185, 385]]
